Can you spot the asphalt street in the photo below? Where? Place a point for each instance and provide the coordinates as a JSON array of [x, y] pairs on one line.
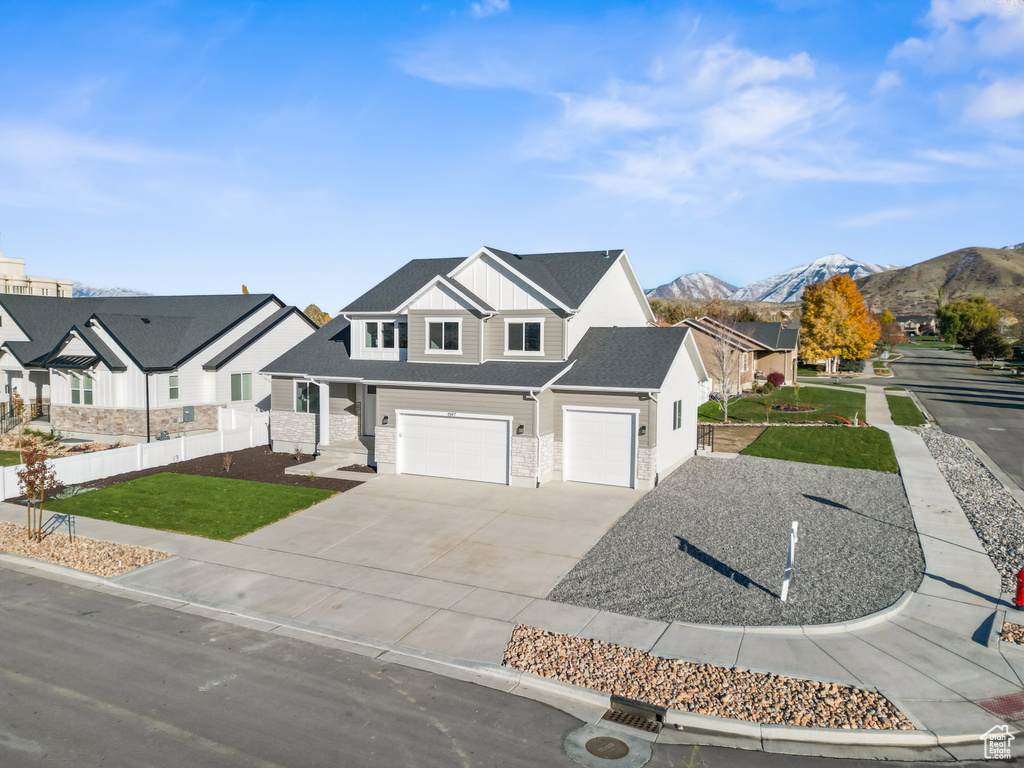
[[969, 402], [90, 679]]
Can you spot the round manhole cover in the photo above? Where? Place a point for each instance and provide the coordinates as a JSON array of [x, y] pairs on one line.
[[607, 747]]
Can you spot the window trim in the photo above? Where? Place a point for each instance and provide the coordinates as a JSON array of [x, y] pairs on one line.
[[295, 396], [85, 393], [380, 324], [241, 387], [426, 336], [523, 321], [173, 386], [677, 415]]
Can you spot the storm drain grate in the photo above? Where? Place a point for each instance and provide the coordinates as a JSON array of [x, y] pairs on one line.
[[635, 714], [1009, 707]]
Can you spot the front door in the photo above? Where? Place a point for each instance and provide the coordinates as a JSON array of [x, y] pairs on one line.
[[369, 410]]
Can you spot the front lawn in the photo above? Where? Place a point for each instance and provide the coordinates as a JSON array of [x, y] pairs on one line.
[[860, 448], [216, 508], [905, 412], [824, 401], [10, 458]]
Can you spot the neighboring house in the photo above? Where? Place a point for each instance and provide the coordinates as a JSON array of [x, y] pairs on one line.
[[720, 343], [765, 348], [501, 368], [919, 324], [123, 368], [14, 280]]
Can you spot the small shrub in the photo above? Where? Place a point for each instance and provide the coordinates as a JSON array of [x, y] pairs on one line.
[[297, 454], [851, 366], [311, 477], [226, 461], [768, 388], [776, 379]]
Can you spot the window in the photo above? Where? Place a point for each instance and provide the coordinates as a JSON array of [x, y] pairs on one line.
[[172, 387], [372, 337], [443, 335], [677, 415], [524, 336], [382, 334], [307, 397], [241, 387], [403, 335], [746, 363], [81, 389]]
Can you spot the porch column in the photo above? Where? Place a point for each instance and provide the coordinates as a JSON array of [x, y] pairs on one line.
[[325, 412]]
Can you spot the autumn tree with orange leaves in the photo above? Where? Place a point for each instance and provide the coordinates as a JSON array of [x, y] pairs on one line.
[[836, 324]]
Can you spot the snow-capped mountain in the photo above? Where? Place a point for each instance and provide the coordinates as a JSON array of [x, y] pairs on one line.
[[1012, 247], [789, 285], [80, 290], [698, 285]]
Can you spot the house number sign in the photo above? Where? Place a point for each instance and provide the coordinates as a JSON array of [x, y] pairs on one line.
[[452, 413]]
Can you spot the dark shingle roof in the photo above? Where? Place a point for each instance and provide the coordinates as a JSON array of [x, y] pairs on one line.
[[772, 335], [252, 336], [624, 358], [158, 332], [569, 277]]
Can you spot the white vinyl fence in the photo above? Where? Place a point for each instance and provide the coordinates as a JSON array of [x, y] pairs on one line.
[[237, 430]]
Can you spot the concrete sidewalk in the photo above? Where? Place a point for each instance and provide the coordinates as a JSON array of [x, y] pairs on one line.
[[930, 654]]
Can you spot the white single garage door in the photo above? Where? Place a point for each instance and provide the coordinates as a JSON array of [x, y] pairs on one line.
[[598, 447], [466, 448]]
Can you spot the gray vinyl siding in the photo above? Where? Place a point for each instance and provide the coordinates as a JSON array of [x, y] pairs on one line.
[[282, 394], [642, 402], [494, 336], [547, 412], [343, 398], [418, 336], [518, 406]]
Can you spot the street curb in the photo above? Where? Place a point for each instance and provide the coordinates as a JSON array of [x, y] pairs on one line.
[[777, 736]]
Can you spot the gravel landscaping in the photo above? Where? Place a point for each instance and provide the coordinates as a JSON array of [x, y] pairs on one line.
[[1012, 633], [699, 688], [996, 516], [102, 558], [709, 544]]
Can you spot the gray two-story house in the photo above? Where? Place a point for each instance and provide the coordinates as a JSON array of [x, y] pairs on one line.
[[504, 368]]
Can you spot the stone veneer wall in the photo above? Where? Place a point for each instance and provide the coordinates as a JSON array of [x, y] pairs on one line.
[[547, 452], [385, 445], [127, 421], [524, 457], [292, 427], [344, 426], [646, 461], [556, 455]]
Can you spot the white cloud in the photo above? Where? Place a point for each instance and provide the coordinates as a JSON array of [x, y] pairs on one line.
[[1002, 100], [963, 32], [487, 8], [886, 81]]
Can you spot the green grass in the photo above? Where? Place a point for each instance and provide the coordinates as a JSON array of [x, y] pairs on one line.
[[216, 508], [825, 401], [905, 412], [803, 371], [861, 448], [9, 458]]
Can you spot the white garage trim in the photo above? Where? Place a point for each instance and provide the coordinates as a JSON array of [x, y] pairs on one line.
[[568, 410], [403, 418]]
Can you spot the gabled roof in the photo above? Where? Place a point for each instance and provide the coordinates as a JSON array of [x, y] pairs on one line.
[[225, 357], [623, 358], [103, 353], [708, 326], [157, 332], [771, 335], [567, 277]]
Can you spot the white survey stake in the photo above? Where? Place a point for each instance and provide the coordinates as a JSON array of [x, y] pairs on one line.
[[789, 563]]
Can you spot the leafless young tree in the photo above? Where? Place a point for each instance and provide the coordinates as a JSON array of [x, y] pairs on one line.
[[726, 356]]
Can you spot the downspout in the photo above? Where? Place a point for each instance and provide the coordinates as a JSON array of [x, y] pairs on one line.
[[654, 397], [147, 406], [536, 432]]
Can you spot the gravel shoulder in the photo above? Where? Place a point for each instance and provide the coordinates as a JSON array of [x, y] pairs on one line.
[[708, 545], [994, 514]]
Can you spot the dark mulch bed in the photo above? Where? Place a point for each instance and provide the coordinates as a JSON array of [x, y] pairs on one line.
[[790, 408], [359, 468], [259, 464]]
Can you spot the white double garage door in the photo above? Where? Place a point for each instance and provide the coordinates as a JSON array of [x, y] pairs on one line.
[[598, 446]]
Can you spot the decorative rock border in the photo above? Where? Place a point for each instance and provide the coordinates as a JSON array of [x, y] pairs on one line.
[[101, 558]]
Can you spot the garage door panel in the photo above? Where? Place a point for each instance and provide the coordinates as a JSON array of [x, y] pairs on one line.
[[452, 446], [599, 447]]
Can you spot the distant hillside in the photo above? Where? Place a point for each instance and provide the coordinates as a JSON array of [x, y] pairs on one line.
[[78, 290], [789, 285], [997, 273], [698, 285]]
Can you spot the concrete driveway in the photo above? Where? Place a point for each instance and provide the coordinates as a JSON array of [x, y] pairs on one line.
[[514, 540]]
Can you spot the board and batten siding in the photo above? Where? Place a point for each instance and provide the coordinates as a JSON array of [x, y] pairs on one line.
[[641, 402], [494, 336], [418, 337], [463, 402]]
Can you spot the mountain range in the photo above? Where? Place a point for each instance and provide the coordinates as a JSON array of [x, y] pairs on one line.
[[784, 287], [80, 290]]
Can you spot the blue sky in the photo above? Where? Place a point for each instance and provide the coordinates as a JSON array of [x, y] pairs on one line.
[[307, 149]]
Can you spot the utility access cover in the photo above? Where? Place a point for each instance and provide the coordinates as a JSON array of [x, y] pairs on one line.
[[607, 747]]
